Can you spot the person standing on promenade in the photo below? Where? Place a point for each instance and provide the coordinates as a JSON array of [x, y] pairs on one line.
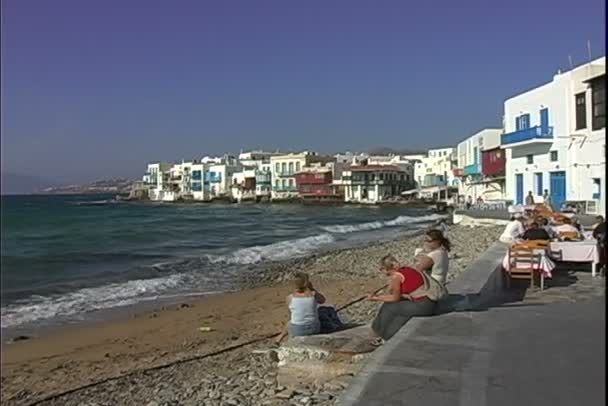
[[437, 260], [407, 298], [469, 202], [530, 199], [599, 233], [547, 199]]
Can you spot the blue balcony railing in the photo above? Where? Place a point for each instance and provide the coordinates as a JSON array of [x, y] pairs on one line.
[[527, 134], [474, 169]]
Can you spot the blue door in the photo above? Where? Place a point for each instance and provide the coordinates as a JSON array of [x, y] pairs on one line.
[[558, 189], [539, 183], [519, 189]]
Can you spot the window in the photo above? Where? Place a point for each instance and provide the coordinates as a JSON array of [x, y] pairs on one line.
[[297, 167], [530, 159], [277, 168], [277, 184], [290, 183], [598, 102], [581, 111], [291, 167], [283, 167], [538, 182], [284, 183], [597, 188], [553, 156], [522, 122]]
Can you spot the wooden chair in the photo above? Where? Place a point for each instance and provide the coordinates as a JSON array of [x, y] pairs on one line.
[[522, 264]]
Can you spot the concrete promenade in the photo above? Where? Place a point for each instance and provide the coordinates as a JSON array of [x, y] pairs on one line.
[[497, 348]]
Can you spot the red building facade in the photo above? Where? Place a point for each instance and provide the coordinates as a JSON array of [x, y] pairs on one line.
[[493, 162], [316, 184]]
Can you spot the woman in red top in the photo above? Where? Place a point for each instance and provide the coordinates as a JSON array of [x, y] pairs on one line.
[[398, 306]]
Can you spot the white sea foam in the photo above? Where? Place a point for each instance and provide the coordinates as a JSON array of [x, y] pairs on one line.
[[274, 252], [374, 225], [36, 308]]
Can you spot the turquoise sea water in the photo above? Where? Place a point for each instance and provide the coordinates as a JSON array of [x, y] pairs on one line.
[[67, 256]]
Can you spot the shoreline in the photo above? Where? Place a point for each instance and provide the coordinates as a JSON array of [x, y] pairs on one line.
[[74, 356], [264, 275]]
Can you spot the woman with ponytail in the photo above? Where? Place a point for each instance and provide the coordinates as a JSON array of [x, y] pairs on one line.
[[436, 260]]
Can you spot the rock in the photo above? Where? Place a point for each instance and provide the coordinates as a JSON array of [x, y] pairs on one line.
[[20, 338], [286, 394], [152, 403]]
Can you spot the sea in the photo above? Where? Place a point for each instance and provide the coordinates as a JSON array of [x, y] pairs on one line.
[[65, 258]]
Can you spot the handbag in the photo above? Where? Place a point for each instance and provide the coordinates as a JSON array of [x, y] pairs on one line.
[[432, 289]]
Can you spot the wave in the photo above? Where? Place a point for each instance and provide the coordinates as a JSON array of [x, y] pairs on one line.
[[36, 308], [274, 252], [374, 225]]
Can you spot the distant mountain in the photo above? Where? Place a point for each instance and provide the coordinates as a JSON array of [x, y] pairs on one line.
[[17, 184], [388, 151], [118, 186]]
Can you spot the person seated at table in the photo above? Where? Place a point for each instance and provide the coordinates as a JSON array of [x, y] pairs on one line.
[[514, 230], [535, 232], [544, 224]]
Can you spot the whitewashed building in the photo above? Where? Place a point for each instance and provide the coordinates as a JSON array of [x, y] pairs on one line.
[[156, 179], [436, 169], [476, 179], [555, 139], [372, 183]]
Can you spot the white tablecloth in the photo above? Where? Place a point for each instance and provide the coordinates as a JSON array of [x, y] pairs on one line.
[[578, 251]]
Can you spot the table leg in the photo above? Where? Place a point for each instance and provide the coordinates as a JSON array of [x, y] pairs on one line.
[[593, 269]]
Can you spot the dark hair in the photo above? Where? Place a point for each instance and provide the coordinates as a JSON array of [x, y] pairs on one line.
[[437, 235]]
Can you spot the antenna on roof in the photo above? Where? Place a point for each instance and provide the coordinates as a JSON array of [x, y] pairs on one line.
[[570, 60], [589, 49]]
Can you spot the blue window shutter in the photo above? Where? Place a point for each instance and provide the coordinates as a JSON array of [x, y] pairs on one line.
[[517, 123], [539, 184], [544, 118], [526, 123]]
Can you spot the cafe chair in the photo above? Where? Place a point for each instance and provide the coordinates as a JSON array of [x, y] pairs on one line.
[[523, 263]]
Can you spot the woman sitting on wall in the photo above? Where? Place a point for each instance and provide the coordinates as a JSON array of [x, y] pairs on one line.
[[436, 261], [411, 294]]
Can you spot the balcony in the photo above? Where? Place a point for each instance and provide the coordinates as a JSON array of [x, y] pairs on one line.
[[528, 136], [470, 170], [285, 174], [282, 189]]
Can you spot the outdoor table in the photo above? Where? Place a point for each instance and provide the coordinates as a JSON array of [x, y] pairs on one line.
[[579, 251]]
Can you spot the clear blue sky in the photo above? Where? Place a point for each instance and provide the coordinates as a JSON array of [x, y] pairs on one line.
[[97, 88]]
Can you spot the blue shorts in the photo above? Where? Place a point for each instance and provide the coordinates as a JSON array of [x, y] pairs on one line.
[[296, 330]]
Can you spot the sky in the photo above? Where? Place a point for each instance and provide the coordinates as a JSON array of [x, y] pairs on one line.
[[96, 89]]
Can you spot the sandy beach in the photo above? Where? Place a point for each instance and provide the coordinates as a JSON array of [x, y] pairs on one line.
[[73, 357]]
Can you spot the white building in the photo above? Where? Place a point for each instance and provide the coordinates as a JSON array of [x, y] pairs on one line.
[[219, 178], [372, 183], [243, 185], [156, 179], [555, 139], [436, 169], [475, 180], [283, 170]]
